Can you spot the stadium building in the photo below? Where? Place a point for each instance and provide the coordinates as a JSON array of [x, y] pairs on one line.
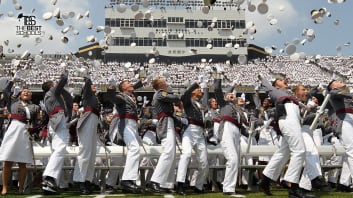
[[177, 31]]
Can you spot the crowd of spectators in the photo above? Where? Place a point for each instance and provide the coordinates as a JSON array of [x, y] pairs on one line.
[[309, 71]]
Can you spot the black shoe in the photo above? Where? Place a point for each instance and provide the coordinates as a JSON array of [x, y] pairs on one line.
[[320, 185], [265, 185], [154, 187], [49, 186], [343, 188], [295, 192], [233, 194], [284, 184], [109, 187], [180, 188], [198, 191], [89, 186], [168, 191], [219, 185], [243, 186], [129, 186], [84, 189], [332, 185]]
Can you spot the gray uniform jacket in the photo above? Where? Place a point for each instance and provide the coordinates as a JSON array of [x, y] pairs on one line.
[[279, 97], [162, 103], [228, 109], [124, 105], [88, 100], [56, 97], [212, 115], [340, 103], [18, 107], [192, 107]]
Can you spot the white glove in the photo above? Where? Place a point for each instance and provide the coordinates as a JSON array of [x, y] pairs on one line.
[[145, 101], [42, 105], [184, 121], [16, 90], [80, 110], [325, 92], [311, 104], [17, 76], [243, 96], [154, 121], [219, 69], [203, 85], [256, 88], [112, 81]]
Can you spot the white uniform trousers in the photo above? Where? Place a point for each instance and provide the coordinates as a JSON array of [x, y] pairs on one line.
[[317, 136], [312, 167], [333, 174], [113, 175], [246, 160], [347, 142], [215, 129], [165, 169], [132, 141], [292, 146], [193, 138], [231, 148], [87, 140], [60, 139], [267, 136], [66, 175], [216, 159], [344, 174]]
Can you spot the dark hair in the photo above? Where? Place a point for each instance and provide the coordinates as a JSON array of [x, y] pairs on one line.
[[210, 100], [329, 85], [120, 86], [274, 82], [47, 85]]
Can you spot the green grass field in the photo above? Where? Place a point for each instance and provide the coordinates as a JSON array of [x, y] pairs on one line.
[[277, 193]]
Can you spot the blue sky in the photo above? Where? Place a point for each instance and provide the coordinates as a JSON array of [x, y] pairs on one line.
[[293, 17]]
